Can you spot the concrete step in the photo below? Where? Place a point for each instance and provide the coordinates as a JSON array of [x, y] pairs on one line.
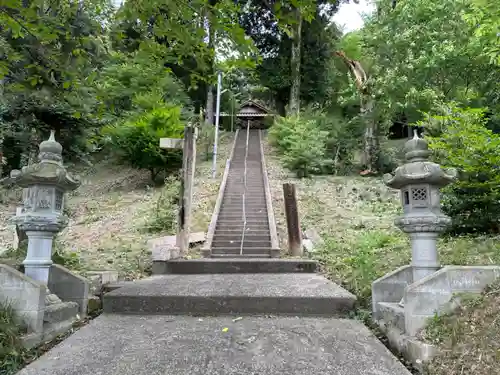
[[248, 218], [235, 265], [237, 236], [247, 244], [249, 208], [393, 314], [238, 198], [183, 345], [248, 214], [250, 221], [238, 225], [284, 293], [60, 312], [250, 232], [244, 256], [228, 195], [249, 193], [236, 250]]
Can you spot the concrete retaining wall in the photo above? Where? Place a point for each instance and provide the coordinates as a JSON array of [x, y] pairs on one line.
[[25, 295], [435, 293], [69, 287], [391, 287]]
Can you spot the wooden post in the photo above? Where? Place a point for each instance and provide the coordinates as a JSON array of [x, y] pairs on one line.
[[186, 190], [292, 220], [188, 146]]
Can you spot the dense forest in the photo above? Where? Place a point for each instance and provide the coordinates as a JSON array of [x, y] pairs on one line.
[[115, 79]]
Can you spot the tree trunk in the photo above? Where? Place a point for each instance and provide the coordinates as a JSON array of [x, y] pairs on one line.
[[209, 112], [280, 106], [209, 105], [1, 155], [371, 141], [294, 105]]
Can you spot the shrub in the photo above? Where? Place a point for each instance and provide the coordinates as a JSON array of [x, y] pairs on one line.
[[302, 143], [315, 142], [12, 354], [205, 141], [461, 140], [137, 141], [164, 217]]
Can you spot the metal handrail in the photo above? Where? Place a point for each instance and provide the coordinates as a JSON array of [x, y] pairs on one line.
[[244, 192]]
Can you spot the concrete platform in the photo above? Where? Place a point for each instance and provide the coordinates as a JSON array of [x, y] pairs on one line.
[[176, 345], [234, 265], [215, 294]]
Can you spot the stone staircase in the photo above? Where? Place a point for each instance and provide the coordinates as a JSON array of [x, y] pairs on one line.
[[244, 224], [240, 310]]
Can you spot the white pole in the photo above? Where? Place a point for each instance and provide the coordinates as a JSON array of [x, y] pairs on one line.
[[217, 115]]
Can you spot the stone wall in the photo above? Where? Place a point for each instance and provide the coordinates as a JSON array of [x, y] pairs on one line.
[[25, 295]]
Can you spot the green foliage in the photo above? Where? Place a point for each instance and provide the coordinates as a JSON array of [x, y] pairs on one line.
[[302, 144], [205, 141], [136, 82], [484, 17], [49, 56], [137, 140], [272, 28], [12, 354], [316, 142], [462, 141], [164, 215]]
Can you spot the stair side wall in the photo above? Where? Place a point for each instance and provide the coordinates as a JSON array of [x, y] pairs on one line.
[[439, 293], [69, 287], [24, 295]]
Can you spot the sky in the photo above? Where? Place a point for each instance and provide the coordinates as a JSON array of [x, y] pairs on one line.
[[349, 15]]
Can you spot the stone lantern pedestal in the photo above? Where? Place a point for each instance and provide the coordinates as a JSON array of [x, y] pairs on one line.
[[41, 216], [419, 181], [405, 299], [48, 298]]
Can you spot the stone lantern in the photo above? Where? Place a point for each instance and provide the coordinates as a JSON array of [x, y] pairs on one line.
[[41, 216], [420, 181]]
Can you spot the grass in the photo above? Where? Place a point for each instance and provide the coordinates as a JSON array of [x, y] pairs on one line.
[[469, 338], [12, 354]]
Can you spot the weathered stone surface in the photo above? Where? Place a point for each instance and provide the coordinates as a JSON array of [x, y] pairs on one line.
[[174, 345], [308, 245], [59, 312], [94, 304], [292, 293], [95, 284], [25, 295], [314, 236], [69, 287], [434, 293], [232, 265], [108, 276], [164, 248], [390, 288], [196, 237]]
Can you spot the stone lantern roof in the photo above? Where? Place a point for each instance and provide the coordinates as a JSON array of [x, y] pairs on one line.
[[49, 170], [418, 169]]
